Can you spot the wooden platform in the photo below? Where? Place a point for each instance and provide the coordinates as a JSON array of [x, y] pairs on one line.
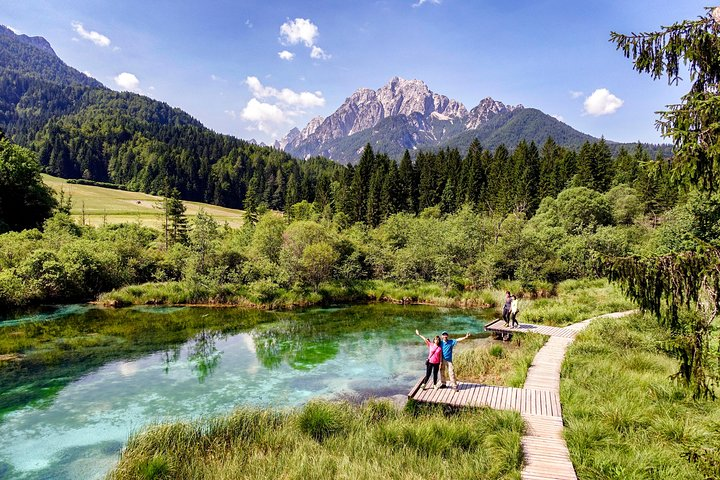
[[498, 326], [545, 454], [534, 402]]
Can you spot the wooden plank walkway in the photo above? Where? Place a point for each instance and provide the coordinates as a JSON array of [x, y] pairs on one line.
[[523, 400], [545, 454], [499, 327]]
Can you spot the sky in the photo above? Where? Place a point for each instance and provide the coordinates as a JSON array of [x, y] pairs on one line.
[[255, 69]]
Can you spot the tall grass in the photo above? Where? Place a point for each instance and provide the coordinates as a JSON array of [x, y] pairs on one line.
[[327, 441], [266, 294], [575, 300], [499, 363], [625, 417]]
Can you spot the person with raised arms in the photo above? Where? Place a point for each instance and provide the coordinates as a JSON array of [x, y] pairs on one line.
[[432, 363], [447, 372]]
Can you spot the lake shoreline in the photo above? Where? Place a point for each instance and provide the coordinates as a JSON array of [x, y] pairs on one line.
[[276, 298]]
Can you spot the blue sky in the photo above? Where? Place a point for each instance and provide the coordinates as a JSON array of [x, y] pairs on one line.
[[255, 69]]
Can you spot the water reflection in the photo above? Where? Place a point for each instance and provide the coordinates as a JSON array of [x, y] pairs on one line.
[[294, 344], [93, 378], [169, 357], [204, 356]]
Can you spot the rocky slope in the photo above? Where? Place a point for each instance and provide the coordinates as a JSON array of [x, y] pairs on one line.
[[403, 114]]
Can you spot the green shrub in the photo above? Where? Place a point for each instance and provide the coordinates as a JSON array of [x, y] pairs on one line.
[[154, 468], [497, 351], [321, 420]]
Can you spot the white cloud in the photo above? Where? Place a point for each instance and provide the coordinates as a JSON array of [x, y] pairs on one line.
[[231, 113], [127, 81], [267, 118], [285, 96], [248, 23], [602, 102], [575, 94], [272, 110], [97, 38], [285, 55], [421, 2], [558, 117], [318, 53], [298, 30]]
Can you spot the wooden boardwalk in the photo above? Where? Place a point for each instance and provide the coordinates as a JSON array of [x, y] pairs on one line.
[[545, 454], [534, 402]]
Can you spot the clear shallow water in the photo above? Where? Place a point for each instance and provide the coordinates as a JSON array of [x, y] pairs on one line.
[[119, 370]]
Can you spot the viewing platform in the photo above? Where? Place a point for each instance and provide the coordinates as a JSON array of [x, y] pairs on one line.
[[498, 326], [545, 454]]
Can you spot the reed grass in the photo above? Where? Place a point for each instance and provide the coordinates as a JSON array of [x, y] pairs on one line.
[[575, 300], [328, 441], [495, 362], [625, 418]]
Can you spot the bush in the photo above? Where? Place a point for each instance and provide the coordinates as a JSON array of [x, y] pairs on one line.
[[321, 420]]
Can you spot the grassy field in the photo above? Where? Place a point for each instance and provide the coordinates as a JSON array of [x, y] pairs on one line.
[[625, 417], [107, 205], [330, 441]]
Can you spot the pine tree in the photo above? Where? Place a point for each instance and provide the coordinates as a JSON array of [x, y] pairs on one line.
[[585, 171], [603, 171], [178, 226], [407, 184], [682, 289], [390, 201], [626, 168], [549, 160], [291, 192], [475, 178]]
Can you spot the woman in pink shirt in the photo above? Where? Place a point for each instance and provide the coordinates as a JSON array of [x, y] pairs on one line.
[[433, 360]]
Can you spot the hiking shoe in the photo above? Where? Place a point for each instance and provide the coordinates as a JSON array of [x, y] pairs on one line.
[[435, 387]]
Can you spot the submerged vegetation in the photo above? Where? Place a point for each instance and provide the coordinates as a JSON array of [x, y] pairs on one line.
[[329, 440]]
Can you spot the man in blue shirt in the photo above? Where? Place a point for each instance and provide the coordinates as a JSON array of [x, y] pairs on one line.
[[447, 366]]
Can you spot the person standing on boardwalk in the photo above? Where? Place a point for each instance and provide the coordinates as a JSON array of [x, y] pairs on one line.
[[432, 364], [447, 366], [506, 308], [514, 312]]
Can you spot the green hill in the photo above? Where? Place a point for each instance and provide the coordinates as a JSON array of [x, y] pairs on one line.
[[81, 129], [98, 205]]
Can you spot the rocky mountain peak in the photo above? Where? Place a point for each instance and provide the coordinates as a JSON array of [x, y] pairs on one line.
[[37, 42], [310, 128], [425, 117], [486, 109]]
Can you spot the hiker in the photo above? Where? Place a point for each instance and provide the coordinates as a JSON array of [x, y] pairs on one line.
[[514, 311], [432, 363], [447, 366], [506, 308]]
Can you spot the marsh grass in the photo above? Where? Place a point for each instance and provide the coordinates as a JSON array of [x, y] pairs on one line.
[[575, 300], [375, 440], [494, 362], [268, 295], [625, 418]]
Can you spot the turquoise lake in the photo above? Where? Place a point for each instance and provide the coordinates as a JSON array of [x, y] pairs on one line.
[[94, 376]]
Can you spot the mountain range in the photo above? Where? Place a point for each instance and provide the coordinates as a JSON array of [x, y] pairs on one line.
[[407, 115], [82, 129]]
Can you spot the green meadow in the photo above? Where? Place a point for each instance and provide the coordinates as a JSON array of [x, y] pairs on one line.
[[98, 206]]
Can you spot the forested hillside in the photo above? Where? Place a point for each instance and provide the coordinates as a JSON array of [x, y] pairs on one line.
[[80, 129]]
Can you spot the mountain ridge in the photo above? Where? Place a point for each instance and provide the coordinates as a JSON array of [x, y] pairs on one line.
[[406, 115]]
